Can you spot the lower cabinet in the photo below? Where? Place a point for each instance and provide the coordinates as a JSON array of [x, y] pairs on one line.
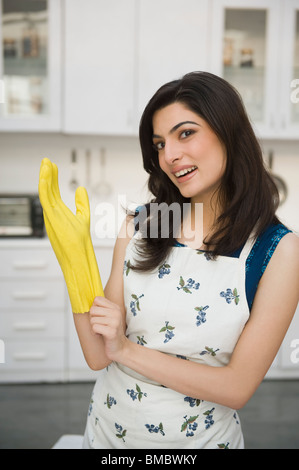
[[38, 341]]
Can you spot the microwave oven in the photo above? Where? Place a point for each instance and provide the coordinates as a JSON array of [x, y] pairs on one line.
[[21, 215]]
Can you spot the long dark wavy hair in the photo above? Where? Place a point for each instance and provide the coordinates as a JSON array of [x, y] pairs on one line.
[[247, 194]]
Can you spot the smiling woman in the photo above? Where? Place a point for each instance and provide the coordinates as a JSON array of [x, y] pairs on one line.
[[186, 333], [185, 326]]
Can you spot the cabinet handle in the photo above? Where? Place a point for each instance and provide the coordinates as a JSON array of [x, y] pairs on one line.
[[29, 264], [30, 356], [29, 326], [29, 295]]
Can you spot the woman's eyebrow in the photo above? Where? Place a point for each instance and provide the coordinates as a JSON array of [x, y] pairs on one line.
[[156, 136]]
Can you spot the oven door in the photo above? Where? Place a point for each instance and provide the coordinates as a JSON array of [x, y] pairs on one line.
[[15, 216]]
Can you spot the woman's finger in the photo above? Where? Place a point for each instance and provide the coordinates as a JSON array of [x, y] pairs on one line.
[[55, 184], [45, 189], [82, 204], [103, 302]]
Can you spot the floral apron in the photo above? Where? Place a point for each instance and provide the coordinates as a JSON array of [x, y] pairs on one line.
[[191, 307]]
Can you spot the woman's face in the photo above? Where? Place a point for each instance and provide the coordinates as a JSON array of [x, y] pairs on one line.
[[189, 151]]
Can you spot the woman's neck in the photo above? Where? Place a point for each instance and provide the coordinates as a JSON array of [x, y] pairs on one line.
[[198, 223]]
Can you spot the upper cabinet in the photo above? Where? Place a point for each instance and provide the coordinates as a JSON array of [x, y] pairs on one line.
[[172, 41], [118, 53], [30, 66], [99, 66], [255, 47], [289, 104]]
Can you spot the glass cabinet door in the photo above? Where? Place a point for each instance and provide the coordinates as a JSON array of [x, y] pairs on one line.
[[30, 65], [244, 52], [24, 50], [244, 56], [295, 73]]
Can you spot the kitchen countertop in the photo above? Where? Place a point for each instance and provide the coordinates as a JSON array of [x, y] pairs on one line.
[[44, 242]]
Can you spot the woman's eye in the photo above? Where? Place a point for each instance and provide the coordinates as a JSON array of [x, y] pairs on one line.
[[186, 133], [158, 146]]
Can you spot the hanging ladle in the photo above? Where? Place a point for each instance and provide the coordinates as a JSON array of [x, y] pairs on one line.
[[74, 183], [102, 188]]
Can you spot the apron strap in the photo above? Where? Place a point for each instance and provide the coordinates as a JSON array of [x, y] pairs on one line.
[[247, 247]]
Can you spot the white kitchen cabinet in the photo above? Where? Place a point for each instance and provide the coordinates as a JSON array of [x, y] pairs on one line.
[[172, 41], [255, 47], [32, 313], [30, 66], [118, 53], [99, 66], [36, 322], [289, 84]]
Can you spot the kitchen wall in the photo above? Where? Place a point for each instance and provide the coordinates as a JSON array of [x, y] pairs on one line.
[[21, 155]]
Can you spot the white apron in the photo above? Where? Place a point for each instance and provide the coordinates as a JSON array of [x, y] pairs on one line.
[[191, 307]]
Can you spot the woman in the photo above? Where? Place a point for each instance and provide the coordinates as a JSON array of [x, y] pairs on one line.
[[190, 323]]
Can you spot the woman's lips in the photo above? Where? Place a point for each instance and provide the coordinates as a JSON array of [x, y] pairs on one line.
[[184, 173]]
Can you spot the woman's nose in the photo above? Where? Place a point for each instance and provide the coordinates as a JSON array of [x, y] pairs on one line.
[[172, 152]]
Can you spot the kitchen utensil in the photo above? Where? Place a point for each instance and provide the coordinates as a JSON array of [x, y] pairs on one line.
[[87, 160], [102, 188], [279, 182], [74, 182]]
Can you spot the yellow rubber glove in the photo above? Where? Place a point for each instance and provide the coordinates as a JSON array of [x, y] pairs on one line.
[[69, 235]]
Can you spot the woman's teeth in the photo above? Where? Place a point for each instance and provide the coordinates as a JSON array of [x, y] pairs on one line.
[[184, 172]]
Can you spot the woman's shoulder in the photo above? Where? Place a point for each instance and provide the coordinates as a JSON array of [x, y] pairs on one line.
[[274, 237], [269, 239], [277, 238]]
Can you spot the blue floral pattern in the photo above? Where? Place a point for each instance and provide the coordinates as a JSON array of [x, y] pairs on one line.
[[187, 286], [121, 433], [163, 270], [210, 351], [138, 394], [189, 425], [141, 340], [209, 418], [168, 330], [155, 429], [201, 316], [134, 304], [127, 267], [192, 401], [231, 295], [110, 401]]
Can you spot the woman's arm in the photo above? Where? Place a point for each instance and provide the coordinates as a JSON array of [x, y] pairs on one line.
[[92, 344], [232, 385]]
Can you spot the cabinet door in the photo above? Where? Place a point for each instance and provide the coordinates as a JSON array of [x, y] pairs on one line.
[[289, 96], [30, 66], [244, 52], [172, 41], [99, 66]]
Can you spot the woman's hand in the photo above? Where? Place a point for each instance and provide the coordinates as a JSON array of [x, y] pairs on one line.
[[107, 319]]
